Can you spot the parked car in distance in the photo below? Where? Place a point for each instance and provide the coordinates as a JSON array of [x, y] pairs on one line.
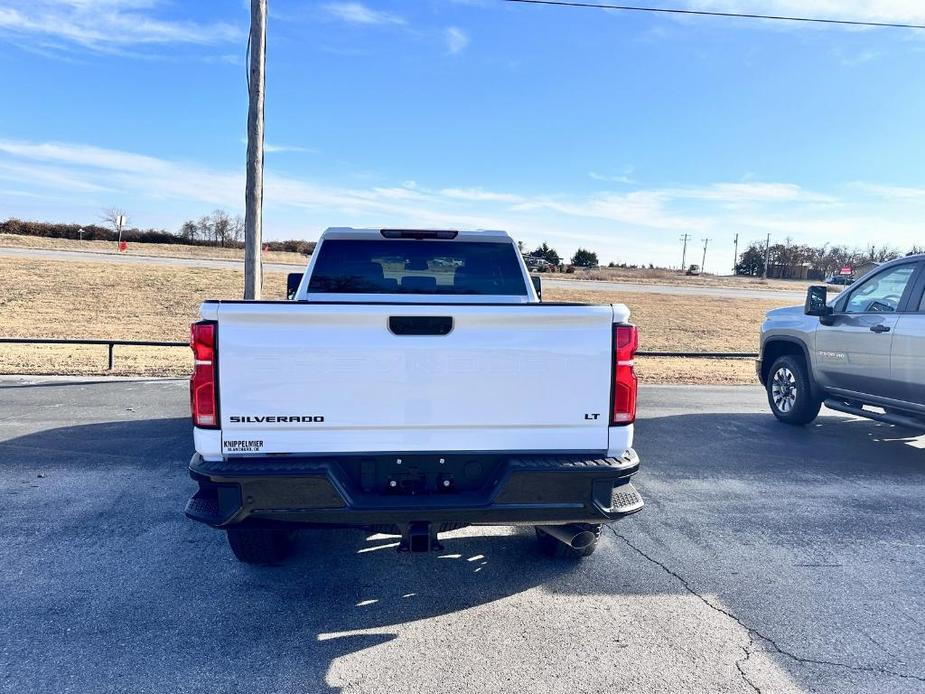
[[839, 280], [538, 264], [862, 353], [396, 392]]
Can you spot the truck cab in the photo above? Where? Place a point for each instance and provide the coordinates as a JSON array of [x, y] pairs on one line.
[[396, 391]]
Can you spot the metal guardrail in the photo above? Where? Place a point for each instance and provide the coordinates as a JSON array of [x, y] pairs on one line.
[[701, 355], [112, 344]]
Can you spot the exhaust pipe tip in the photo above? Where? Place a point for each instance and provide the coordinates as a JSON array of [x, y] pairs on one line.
[[574, 536], [583, 539]]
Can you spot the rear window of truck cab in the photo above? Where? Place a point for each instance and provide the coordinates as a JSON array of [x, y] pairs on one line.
[[363, 266]]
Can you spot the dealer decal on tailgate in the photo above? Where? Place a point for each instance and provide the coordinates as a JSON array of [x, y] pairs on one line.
[[242, 446]]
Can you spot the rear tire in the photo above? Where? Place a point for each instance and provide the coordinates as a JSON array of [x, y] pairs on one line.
[[552, 547], [789, 392], [260, 546]]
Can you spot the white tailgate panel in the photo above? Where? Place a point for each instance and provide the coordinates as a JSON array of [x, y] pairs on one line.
[[506, 378]]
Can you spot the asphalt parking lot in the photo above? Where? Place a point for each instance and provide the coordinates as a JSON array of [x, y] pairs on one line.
[[767, 559]]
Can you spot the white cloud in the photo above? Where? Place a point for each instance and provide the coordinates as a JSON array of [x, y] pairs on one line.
[[456, 40], [904, 11], [358, 13], [905, 193], [479, 195], [105, 25], [750, 192], [271, 148], [639, 226], [621, 178]]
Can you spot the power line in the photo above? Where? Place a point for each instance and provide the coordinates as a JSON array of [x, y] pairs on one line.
[[707, 13]]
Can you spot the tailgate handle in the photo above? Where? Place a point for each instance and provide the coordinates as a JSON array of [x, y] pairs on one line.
[[420, 325]]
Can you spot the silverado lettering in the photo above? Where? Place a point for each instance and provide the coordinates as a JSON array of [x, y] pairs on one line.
[[270, 419]]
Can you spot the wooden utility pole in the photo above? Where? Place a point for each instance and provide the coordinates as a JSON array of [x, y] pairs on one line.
[[253, 188], [703, 263], [767, 255], [735, 256], [684, 239]]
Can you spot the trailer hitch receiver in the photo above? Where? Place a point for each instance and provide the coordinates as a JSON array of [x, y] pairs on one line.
[[419, 537]]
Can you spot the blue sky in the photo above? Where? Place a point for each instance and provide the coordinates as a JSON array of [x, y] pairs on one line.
[[614, 131]]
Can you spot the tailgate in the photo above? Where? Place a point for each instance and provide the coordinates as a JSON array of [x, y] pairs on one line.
[[334, 378]]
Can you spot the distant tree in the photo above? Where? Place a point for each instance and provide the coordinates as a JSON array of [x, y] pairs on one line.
[[237, 229], [879, 254], [114, 217], [221, 227], [546, 252], [916, 250], [204, 229], [751, 261], [584, 258], [520, 247], [188, 230]]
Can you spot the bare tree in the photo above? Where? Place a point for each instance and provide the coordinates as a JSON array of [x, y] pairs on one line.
[[221, 227], [237, 229], [189, 231], [116, 218], [204, 228], [880, 254]]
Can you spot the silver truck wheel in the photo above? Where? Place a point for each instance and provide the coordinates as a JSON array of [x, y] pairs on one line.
[[784, 389], [789, 393]]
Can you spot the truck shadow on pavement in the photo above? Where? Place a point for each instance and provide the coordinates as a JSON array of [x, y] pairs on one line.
[[125, 594]]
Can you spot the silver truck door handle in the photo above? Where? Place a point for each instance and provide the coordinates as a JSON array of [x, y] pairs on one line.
[[880, 329]]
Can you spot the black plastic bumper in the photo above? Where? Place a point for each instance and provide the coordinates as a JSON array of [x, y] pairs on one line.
[[389, 491]]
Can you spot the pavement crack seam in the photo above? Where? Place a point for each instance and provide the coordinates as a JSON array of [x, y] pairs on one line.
[[740, 663], [752, 632]]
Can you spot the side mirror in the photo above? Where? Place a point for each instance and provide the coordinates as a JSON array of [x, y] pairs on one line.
[[293, 280], [538, 286], [817, 302]]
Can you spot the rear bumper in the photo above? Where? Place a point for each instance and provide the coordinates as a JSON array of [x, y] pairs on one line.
[[524, 490]]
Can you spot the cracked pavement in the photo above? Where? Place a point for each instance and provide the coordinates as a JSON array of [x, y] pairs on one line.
[[768, 559]]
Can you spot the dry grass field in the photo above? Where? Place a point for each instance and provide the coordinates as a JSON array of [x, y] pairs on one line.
[[164, 250], [150, 302]]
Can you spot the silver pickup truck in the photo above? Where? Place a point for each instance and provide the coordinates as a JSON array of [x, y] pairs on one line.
[[863, 352]]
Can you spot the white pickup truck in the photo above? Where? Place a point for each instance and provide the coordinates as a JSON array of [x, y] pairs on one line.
[[413, 384]]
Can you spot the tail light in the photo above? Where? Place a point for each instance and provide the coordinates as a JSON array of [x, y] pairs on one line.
[[202, 385], [625, 343]]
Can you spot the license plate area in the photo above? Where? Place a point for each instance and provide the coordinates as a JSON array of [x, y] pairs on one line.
[[420, 475]]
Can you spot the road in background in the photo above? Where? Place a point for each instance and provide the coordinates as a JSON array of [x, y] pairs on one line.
[[97, 257], [768, 558], [796, 297]]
